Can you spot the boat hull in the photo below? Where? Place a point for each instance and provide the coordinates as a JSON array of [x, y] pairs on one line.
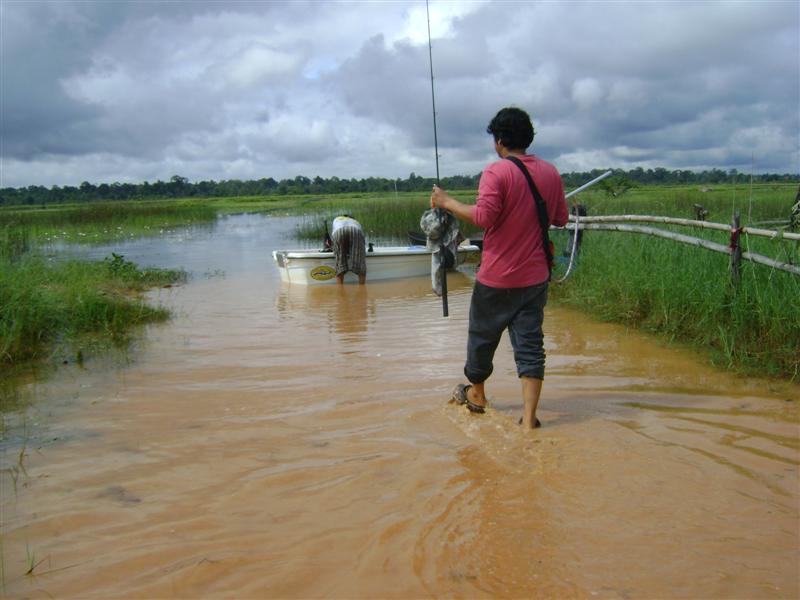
[[311, 267]]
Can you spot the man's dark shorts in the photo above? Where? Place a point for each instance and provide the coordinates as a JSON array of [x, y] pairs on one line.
[[491, 311]]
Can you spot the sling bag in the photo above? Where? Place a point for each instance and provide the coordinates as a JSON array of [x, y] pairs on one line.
[[541, 210]]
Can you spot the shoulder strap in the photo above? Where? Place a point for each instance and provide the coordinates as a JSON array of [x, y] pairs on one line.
[[541, 211]]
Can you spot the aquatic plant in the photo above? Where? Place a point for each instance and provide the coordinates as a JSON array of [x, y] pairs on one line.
[[49, 304], [97, 223], [14, 241]]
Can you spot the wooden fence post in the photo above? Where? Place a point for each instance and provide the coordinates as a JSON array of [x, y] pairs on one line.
[[736, 249]]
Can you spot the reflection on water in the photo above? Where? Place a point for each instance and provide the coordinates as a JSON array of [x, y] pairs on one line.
[[278, 441], [231, 244], [347, 310], [353, 309]]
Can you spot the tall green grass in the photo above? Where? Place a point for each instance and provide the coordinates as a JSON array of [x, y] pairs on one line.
[[392, 215], [386, 217], [753, 203], [14, 242], [67, 308], [687, 295], [46, 305]]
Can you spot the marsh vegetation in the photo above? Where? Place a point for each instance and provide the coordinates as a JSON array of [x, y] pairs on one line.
[[54, 308], [683, 293]]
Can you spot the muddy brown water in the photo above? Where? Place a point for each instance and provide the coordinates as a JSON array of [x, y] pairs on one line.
[[288, 442]]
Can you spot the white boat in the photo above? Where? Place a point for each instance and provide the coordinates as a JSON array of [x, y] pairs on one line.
[[312, 267]]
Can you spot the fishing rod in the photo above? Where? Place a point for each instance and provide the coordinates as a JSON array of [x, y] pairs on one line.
[[433, 95], [586, 185], [439, 211]]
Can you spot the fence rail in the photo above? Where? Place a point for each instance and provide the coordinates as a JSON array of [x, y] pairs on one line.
[[733, 249], [769, 233]]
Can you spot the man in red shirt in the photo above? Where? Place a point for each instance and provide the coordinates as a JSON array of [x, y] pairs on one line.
[[511, 284]]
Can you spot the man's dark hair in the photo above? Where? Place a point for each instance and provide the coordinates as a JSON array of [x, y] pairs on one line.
[[513, 127]]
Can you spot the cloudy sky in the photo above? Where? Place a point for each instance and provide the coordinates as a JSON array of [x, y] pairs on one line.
[[106, 91]]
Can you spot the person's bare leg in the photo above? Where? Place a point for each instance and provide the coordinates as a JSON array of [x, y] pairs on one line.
[[340, 278], [476, 394], [362, 279], [531, 390]]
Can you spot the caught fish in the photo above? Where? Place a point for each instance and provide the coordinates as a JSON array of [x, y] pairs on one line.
[[441, 232]]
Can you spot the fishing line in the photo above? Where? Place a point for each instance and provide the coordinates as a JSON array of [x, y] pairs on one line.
[[433, 95]]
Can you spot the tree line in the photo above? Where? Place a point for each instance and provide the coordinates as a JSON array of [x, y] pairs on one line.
[[181, 187]]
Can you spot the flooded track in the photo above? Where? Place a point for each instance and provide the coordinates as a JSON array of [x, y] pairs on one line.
[[289, 442]]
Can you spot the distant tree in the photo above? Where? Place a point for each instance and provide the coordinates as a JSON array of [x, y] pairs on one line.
[[178, 186]]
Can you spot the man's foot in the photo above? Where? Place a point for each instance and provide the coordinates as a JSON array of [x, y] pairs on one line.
[[461, 395], [536, 423]]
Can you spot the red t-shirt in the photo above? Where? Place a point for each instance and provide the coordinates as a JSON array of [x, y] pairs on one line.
[[512, 255]]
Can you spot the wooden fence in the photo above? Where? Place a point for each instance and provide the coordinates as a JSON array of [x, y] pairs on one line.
[[733, 248]]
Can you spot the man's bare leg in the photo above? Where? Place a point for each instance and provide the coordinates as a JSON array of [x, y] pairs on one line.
[[476, 394], [362, 279], [340, 279], [531, 390]]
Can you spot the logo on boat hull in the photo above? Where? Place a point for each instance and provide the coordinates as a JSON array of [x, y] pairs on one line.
[[322, 273]]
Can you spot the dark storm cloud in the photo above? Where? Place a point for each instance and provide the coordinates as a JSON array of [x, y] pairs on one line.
[[38, 46], [143, 90], [674, 77], [104, 77]]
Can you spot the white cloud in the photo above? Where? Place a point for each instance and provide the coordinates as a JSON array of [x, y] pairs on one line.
[[258, 64], [587, 93]]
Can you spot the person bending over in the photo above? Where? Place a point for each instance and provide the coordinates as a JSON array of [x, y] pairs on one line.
[[510, 290], [349, 248]]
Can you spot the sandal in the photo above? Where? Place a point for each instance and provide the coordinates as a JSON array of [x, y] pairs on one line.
[[460, 397], [536, 423]]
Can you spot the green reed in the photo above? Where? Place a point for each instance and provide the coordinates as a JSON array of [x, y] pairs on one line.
[[102, 222], [66, 307], [756, 203], [385, 217], [687, 294], [14, 242], [46, 305]]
